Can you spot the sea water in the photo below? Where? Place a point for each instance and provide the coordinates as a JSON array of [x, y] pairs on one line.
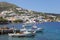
[[51, 32]]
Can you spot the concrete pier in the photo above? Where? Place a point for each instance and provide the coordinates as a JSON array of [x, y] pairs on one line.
[[2, 31], [7, 30]]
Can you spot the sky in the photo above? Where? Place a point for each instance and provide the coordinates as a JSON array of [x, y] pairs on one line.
[[49, 6]]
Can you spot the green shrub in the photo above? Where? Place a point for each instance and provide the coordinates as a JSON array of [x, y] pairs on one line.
[[16, 21]]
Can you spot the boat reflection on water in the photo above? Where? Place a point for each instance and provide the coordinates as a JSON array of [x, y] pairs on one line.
[[21, 38]]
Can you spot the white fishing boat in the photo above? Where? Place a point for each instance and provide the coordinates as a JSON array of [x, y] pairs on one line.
[[22, 33], [35, 28]]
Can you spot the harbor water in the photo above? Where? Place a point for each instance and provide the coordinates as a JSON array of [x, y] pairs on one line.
[[51, 32]]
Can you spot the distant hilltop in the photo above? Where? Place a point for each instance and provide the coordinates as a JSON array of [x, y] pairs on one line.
[[5, 6]]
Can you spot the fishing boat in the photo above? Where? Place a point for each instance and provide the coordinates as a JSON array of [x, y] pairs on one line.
[[35, 28], [22, 33]]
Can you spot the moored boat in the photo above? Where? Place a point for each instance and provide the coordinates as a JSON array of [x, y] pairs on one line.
[[22, 33], [35, 28]]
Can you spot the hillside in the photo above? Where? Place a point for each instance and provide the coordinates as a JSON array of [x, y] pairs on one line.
[[7, 6]]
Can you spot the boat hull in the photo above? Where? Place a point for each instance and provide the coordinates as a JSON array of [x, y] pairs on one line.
[[37, 30], [22, 34]]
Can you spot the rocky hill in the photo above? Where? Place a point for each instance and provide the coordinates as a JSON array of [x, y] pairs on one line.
[[7, 6]]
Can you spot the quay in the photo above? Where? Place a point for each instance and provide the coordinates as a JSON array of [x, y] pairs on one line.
[[6, 30]]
